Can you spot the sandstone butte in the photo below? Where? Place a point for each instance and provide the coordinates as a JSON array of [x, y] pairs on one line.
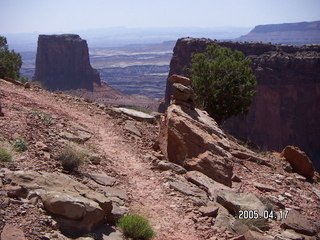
[[285, 110], [181, 171]]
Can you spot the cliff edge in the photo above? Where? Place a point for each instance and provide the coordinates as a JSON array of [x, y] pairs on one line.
[[285, 110]]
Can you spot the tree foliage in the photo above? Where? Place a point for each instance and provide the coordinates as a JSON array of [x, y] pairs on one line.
[[223, 82], [10, 61]]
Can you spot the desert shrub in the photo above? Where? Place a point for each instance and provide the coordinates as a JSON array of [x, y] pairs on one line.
[[136, 227], [20, 145], [223, 82], [10, 61], [71, 158], [5, 155]]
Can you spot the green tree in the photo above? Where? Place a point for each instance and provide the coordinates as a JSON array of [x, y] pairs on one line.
[[223, 82], [10, 61]]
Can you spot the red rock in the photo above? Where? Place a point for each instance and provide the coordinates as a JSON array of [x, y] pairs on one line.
[[192, 139], [299, 161], [179, 79], [299, 223], [63, 63], [241, 237], [11, 232], [285, 109]]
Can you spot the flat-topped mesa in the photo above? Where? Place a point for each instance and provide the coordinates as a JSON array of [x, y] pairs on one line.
[[63, 63]]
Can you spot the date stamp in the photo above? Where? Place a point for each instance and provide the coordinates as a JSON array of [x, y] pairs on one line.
[[254, 214]]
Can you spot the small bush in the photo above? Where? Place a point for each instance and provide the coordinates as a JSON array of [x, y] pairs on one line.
[[20, 145], [71, 158], [5, 155], [136, 227]]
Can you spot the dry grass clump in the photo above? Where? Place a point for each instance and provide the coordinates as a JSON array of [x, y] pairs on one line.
[[71, 158], [5, 155]]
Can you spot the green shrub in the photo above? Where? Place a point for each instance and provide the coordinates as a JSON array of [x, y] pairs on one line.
[[223, 82], [5, 155], [71, 158], [136, 227], [20, 145]]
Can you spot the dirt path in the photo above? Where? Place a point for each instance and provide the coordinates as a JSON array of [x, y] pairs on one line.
[[149, 195]]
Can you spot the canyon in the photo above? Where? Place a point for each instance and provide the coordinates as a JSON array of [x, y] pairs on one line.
[[285, 109]]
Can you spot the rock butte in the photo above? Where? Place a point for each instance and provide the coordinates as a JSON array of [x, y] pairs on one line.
[[62, 63]]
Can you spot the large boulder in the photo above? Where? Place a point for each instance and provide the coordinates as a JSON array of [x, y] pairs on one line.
[[76, 207], [193, 140], [299, 161]]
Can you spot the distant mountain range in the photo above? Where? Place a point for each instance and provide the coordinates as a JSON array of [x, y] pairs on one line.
[[286, 33]]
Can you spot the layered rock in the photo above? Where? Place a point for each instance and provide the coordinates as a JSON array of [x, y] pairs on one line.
[[285, 109], [192, 139], [76, 207], [62, 63]]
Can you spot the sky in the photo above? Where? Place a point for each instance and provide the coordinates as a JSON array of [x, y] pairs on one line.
[[19, 16]]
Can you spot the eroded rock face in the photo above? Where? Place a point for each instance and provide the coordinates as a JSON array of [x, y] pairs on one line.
[[62, 63], [285, 109], [193, 140]]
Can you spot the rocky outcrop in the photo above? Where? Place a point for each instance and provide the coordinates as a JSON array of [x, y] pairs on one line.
[[285, 33], [192, 139], [62, 63], [76, 207], [285, 109]]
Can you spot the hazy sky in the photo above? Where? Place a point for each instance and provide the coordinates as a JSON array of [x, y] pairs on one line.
[[64, 15]]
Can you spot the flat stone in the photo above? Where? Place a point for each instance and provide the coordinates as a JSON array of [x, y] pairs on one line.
[[112, 192], [140, 116], [131, 127], [189, 189], [79, 137], [165, 165], [292, 235], [211, 210], [265, 187], [103, 179], [205, 182], [180, 79], [11, 232], [252, 235], [77, 207], [299, 223], [251, 157], [234, 201]]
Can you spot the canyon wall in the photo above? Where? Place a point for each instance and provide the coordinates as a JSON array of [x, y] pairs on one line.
[[62, 63], [286, 107]]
